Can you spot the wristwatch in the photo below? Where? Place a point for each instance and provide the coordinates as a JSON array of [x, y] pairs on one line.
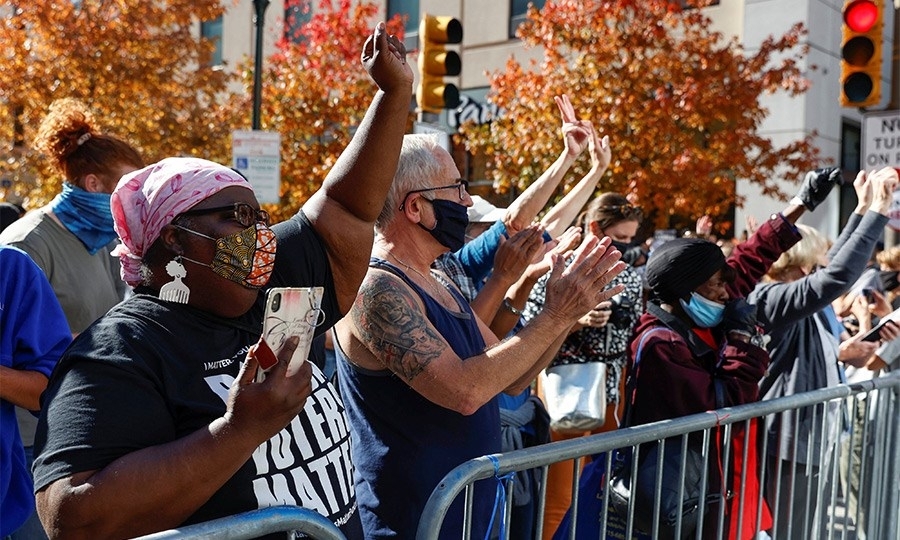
[[758, 340]]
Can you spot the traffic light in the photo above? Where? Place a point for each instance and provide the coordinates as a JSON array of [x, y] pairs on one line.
[[861, 53], [435, 62]]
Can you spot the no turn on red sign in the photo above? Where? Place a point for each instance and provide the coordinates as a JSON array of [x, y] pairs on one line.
[[880, 140], [881, 148]]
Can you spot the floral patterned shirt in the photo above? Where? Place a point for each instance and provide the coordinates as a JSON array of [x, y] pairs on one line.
[[608, 344]]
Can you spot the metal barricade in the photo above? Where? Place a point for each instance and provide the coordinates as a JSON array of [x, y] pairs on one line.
[[838, 479], [256, 523]]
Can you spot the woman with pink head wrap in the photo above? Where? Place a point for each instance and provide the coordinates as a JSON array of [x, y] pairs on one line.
[[149, 199], [154, 417]]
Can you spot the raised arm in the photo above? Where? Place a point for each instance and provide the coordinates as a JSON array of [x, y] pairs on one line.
[[576, 136], [565, 211], [343, 211], [388, 322], [513, 257]]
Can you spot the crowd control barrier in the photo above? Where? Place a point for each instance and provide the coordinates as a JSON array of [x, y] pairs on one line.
[[256, 523], [832, 468]]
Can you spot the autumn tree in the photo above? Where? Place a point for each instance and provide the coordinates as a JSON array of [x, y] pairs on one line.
[[139, 66], [680, 103], [315, 93]]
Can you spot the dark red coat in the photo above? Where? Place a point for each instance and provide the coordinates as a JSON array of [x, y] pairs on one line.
[[676, 367]]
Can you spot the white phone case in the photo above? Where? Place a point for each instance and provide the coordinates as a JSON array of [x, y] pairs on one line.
[[292, 311]]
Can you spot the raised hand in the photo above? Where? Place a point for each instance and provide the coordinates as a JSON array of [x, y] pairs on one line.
[[816, 186], [384, 58], [576, 133], [514, 255], [576, 289], [599, 149], [863, 191], [563, 245], [704, 226], [884, 182]]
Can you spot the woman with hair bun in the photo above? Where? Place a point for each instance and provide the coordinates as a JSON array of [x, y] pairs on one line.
[[71, 237], [600, 336]]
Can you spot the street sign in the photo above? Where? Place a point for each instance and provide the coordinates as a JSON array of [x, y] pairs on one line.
[[881, 140], [257, 155]]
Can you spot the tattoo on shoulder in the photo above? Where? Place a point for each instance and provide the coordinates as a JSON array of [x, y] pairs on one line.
[[393, 327]]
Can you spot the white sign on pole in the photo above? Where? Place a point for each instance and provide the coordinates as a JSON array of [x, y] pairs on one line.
[[881, 140], [257, 154]]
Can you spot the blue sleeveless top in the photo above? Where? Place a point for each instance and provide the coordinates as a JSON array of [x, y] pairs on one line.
[[403, 444]]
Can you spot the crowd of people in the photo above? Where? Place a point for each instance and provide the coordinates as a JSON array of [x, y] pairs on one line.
[[133, 305]]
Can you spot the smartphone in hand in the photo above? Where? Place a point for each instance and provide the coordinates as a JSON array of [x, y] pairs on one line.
[[869, 294], [292, 311]]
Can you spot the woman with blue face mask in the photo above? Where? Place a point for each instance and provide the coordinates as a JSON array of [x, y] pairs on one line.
[[71, 237], [698, 333]]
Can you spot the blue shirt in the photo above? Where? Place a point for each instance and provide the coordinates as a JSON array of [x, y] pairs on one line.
[[33, 335]]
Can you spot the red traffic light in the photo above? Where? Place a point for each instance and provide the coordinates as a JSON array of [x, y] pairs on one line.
[[861, 15]]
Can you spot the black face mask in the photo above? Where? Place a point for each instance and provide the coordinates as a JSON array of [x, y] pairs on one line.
[[622, 246], [452, 220], [889, 280]]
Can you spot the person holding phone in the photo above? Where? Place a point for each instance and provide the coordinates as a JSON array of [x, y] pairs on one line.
[[795, 310], [153, 419]]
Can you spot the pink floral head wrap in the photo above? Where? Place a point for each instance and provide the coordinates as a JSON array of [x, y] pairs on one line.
[[147, 200]]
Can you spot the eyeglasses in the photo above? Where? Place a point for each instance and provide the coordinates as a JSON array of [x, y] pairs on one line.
[[461, 185], [244, 214], [627, 211]]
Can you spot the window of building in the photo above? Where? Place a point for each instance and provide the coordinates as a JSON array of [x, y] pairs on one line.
[[517, 11], [408, 8], [850, 143], [850, 161], [212, 30]]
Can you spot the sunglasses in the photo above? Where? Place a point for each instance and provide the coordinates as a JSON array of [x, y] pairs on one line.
[[461, 186], [627, 211], [244, 214]]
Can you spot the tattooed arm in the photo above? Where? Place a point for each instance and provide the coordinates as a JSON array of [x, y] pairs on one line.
[[387, 328]]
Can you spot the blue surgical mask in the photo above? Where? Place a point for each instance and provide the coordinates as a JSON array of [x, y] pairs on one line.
[[452, 219], [704, 312], [85, 214]]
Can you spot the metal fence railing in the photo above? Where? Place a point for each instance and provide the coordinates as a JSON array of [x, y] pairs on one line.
[[253, 524], [834, 471]]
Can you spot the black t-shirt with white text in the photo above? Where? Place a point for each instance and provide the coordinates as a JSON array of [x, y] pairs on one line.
[[151, 372]]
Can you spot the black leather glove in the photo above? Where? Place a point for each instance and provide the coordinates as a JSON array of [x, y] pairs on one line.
[[740, 316], [816, 186]]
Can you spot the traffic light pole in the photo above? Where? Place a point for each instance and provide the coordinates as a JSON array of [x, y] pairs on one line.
[[259, 19]]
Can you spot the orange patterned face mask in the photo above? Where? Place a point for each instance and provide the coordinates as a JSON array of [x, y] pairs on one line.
[[246, 257]]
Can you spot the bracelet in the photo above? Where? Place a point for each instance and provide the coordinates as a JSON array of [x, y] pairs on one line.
[[511, 308]]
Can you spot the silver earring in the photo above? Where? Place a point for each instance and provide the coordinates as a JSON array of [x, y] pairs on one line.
[[175, 291]]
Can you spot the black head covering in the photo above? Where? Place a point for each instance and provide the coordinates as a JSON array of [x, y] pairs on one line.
[[8, 213], [681, 265]]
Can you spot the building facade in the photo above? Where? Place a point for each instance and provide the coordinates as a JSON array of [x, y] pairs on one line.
[[489, 40]]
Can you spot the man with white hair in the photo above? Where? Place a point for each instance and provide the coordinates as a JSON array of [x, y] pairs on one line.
[[419, 371]]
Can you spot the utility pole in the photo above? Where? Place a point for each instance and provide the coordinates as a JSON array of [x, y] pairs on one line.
[[259, 19]]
